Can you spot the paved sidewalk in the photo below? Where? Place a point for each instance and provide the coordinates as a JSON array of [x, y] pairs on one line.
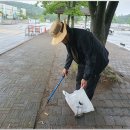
[[111, 102], [24, 73], [119, 59]]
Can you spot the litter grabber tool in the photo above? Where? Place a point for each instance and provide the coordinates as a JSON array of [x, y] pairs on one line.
[[49, 98]]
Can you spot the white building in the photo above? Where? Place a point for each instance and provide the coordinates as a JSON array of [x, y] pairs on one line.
[[11, 12]]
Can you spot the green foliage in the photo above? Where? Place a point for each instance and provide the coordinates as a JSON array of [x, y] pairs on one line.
[[122, 19], [83, 3], [41, 18], [74, 11], [25, 17], [114, 19], [1, 12], [52, 6], [51, 17]]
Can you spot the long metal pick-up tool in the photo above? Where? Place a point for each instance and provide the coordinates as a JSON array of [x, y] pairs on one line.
[[54, 90]]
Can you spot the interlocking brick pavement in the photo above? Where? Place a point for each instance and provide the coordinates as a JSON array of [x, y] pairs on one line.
[[119, 59], [24, 72], [25, 79], [111, 102]]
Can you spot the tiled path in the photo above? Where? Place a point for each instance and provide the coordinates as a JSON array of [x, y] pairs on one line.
[[24, 73], [111, 102], [119, 59]]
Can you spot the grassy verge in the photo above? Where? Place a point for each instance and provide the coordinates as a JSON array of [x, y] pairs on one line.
[[107, 75]]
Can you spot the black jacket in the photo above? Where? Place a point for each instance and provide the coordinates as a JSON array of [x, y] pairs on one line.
[[84, 48]]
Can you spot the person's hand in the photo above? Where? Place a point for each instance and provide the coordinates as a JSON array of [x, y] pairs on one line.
[[64, 72], [83, 83]]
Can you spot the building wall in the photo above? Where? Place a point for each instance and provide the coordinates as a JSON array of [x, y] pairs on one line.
[[11, 12]]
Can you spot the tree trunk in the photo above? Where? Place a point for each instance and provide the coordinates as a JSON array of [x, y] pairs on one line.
[[85, 21], [99, 31], [68, 20], [111, 8], [72, 17], [101, 18], [58, 15], [92, 9], [72, 21]]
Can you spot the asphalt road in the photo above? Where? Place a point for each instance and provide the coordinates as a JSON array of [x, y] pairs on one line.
[[11, 36]]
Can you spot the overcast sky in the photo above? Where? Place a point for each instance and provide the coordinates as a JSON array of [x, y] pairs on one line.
[[122, 9]]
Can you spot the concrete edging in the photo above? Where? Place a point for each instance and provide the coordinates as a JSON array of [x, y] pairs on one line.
[[20, 43]]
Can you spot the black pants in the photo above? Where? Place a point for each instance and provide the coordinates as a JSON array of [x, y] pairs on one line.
[[91, 83]]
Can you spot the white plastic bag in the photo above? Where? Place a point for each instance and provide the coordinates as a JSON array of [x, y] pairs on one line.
[[78, 102]]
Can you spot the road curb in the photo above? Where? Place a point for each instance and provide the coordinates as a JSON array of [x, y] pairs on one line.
[[20, 43]]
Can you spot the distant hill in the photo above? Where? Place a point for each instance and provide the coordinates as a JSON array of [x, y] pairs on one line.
[[32, 10], [122, 19]]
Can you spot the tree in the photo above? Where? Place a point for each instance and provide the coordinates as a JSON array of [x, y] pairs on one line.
[[69, 8], [101, 17], [122, 19], [114, 19], [1, 12], [73, 9], [54, 7]]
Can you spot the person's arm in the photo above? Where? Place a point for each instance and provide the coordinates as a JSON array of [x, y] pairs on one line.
[[89, 66], [90, 56], [68, 62]]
